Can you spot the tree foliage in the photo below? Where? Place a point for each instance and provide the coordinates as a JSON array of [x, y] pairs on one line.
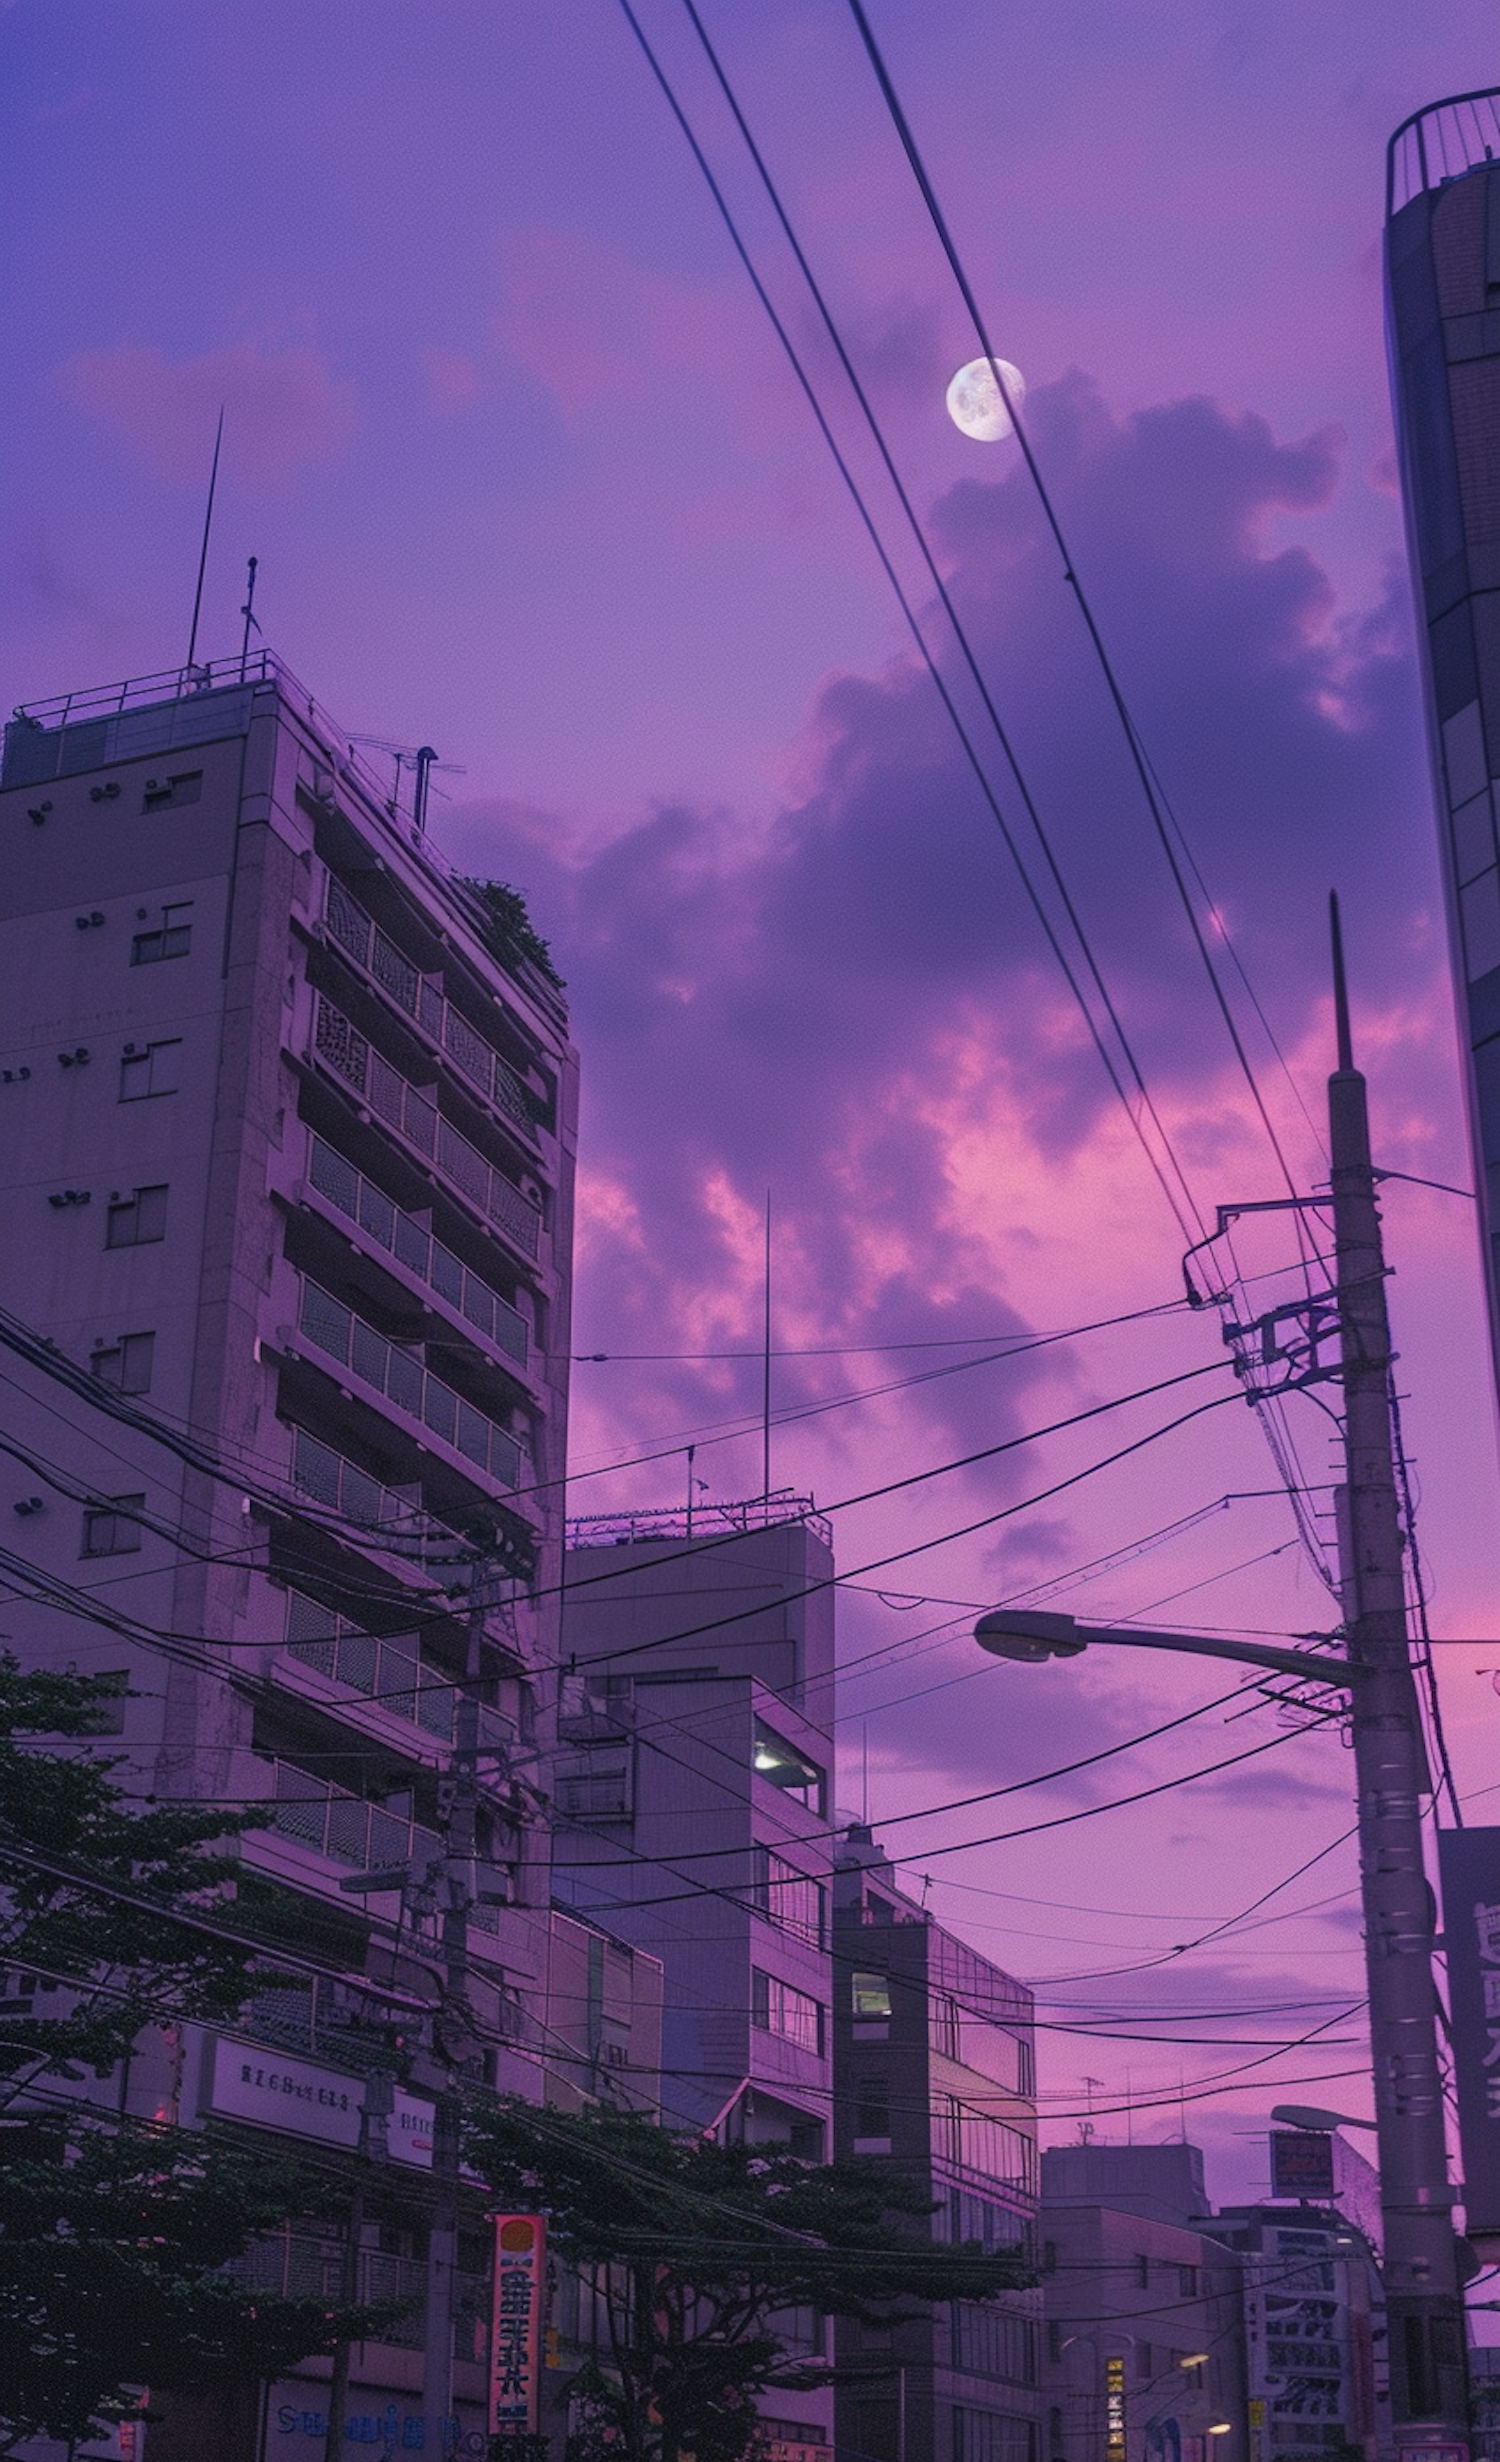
[[699, 2251], [509, 929], [113, 2232]]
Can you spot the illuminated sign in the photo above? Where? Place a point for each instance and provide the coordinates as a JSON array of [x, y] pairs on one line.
[[516, 2322], [1301, 2163], [1114, 2410]]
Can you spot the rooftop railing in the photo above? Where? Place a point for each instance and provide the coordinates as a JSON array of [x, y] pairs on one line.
[[1440, 143], [700, 1521]]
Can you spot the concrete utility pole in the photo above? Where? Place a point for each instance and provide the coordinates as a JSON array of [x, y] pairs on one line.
[[1424, 2300], [458, 1869], [1424, 2304]]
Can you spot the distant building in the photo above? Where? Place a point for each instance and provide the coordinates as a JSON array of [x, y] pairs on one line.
[[1484, 2390], [934, 2067], [692, 1813], [1143, 2357], [1442, 247], [1314, 2332]]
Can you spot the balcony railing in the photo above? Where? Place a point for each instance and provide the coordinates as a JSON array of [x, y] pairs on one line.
[[399, 1374], [350, 1055], [1440, 143], [416, 1248], [402, 1525], [344, 1827], [421, 996], [293, 2265], [390, 1672]]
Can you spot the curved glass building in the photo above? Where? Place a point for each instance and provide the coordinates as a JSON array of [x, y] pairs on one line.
[[1443, 314]]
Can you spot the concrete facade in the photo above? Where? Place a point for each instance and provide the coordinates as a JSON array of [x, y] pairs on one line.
[[934, 2053], [1316, 2370], [692, 1813], [287, 1133], [1143, 2352]]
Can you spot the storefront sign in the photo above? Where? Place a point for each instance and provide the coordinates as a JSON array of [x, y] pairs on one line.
[[409, 2131], [516, 2322], [1469, 1860], [1302, 2164], [1114, 2410], [248, 2081]]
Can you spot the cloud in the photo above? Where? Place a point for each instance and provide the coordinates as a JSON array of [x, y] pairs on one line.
[[284, 405], [854, 1006]]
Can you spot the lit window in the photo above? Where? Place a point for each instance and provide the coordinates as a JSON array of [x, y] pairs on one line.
[[871, 1995], [780, 1763], [126, 1364], [782, 2010], [152, 1071], [135, 1221], [111, 1529], [169, 938]]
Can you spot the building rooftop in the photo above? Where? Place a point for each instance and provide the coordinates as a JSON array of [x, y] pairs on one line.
[[1440, 143]]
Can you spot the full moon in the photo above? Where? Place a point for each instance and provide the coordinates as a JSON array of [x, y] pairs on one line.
[[977, 405]]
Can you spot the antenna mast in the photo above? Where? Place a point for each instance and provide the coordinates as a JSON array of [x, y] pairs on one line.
[[208, 520]]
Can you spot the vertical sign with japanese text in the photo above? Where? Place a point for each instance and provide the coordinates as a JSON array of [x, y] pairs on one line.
[[1470, 1864], [1114, 2409], [516, 2323]]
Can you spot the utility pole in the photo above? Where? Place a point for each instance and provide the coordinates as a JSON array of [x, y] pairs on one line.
[[451, 2026], [1424, 2302]]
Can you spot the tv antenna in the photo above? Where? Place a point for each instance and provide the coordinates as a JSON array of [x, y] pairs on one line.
[[422, 761], [208, 523]]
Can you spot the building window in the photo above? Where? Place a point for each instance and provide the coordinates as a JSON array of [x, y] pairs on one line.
[[783, 1766], [994, 2342], [943, 2025], [111, 1529], [973, 2140], [152, 1071], [870, 1995], [171, 937], [163, 793], [1143, 2273], [1187, 2281], [1054, 2340], [782, 2010], [992, 2436], [787, 1897], [872, 2112], [135, 1221], [595, 1786], [126, 1364]]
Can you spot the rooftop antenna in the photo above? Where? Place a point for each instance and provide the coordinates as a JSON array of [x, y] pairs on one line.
[[1340, 986], [424, 761], [248, 612], [208, 518], [864, 1773], [765, 1383]]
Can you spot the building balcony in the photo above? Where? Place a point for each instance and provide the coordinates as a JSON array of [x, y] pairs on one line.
[[399, 1524], [392, 1673], [421, 997], [397, 1373], [352, 1060], [343, 1827], [413, 1246]]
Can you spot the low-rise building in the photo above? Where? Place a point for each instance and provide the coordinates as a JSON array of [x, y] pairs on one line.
[[934, 2067]]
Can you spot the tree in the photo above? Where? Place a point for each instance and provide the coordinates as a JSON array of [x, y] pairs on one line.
[[698, 2251], [113, 2232]]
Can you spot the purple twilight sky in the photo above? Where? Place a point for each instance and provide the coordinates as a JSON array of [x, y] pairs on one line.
[[529, 479]]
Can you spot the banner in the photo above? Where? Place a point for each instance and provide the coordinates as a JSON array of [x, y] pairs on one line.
[[1469, 1860], [516, 2323]]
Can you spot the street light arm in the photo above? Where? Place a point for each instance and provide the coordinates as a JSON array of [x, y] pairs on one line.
[[1031, 1636]]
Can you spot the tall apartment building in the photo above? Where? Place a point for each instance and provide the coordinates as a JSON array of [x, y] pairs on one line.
[[934, 2066], [286, 1147], [1316, 2370], [692, 1815], [1442, 246], [1144, 2346]]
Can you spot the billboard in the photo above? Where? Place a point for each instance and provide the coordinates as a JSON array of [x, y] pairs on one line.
[[516, 2323], [1469, 1861], [1302, 2164]]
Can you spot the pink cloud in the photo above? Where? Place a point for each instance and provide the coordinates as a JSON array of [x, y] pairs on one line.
[[453, 380], [283, 405]]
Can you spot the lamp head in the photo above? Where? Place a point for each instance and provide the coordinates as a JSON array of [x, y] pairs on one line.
[[1028, 1634]]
